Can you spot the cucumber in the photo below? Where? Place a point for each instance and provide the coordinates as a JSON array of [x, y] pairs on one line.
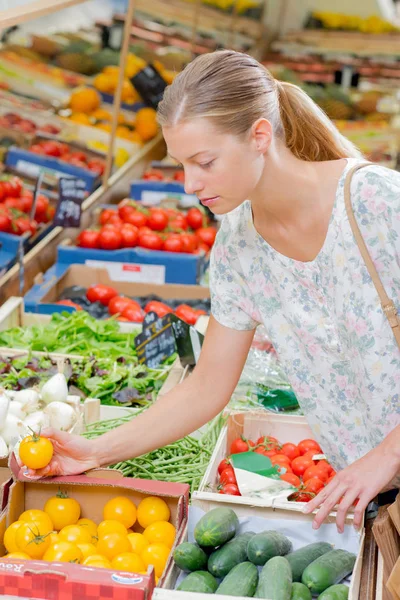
[[267, 544], [300, 592], [335, 592], [189, 557], [229, 555], [199, 581], [328, 569], [275, 580], [216, 527], [300, 559], [241, 581]]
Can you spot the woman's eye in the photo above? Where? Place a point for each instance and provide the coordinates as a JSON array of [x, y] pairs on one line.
[[207, 165]]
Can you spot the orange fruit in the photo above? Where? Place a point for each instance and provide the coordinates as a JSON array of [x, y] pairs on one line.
[[146, 124], [81, 118], [84, 100], [103, 83]]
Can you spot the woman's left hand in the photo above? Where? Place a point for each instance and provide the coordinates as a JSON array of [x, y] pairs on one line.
[[361, 481]]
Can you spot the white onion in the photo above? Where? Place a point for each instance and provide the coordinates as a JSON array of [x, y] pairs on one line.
[[55, 389], [12, 429], [3, 448], [15, 408], [37, 421], [4, 406], [29, 400], [62, 415], [75, 402]]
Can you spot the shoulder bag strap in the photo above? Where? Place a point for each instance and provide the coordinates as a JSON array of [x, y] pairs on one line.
[[387, 304]]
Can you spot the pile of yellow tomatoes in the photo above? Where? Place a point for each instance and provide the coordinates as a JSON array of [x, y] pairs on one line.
[[59, 534]]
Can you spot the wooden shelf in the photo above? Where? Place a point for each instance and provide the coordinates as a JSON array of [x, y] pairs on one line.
[[33, 10]]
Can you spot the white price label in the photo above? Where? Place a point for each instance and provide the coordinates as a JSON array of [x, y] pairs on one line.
[[28, 168], [153, 198], [131, 272]]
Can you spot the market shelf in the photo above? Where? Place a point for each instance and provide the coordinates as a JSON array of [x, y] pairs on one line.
[[33, 10]]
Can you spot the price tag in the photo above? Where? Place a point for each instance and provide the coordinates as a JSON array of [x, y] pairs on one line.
[[150, 85], [156, 343], [132, 272], [69, 209], [188, 341]]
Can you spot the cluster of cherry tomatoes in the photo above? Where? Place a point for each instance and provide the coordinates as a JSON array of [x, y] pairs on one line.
[[165, 229], [158, 175], [295, 463], [16, 204], [66, 153]]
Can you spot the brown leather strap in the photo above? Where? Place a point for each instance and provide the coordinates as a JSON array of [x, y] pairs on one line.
[[387, 304]]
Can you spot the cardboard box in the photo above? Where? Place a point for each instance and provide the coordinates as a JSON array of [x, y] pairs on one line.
[[42, 297], [62, 581]]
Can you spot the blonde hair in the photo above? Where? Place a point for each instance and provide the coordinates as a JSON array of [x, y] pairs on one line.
[[234, 90]]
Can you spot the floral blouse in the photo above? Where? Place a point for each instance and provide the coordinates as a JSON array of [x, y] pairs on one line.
[[324, 317]]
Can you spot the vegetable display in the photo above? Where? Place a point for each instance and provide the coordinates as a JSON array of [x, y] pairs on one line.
[[155, 228], [260, 565], [184, 461], [68, 154], [57, 533], [101, 301], [296, 464]]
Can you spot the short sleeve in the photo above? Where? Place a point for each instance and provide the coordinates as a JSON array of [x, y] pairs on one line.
[[231, 301]]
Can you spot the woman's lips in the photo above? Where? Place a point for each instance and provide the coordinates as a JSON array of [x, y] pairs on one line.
[[208, 201]]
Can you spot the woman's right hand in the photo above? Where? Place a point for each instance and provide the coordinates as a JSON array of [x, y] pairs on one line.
[[73, 455]]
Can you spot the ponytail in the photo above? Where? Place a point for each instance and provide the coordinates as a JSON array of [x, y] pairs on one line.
[[309, 133]]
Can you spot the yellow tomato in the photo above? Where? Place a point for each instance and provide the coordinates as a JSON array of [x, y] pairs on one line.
[[156, 555], [138, 542], [152, 509], [160, 532], [113, 544], [35, 451], [75, 535], [97, 560], [9, 537], [120, 509], [62, 510], [128, 561], [110, 526], [89, 525], [53, 538], [33, 539], [17, 555], [37, 515], [63, 552], [87, 549]]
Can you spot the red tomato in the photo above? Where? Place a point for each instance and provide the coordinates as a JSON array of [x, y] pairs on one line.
[[268, 440], [323, 464], [189, 242], [231, 489], [178, 223], [307, 445], [5, 221], [137, 218], [159, 308], [241, 445], [310, 455], [79, 155], [23, 225], [315, 471], [16, 203], [173, 243], [110, 239], [88, 238], [50, 212], [291, 478], [118, 304], [114, 221], [133, 312], [313, 485], [179, 176], [153, 175], [280, 459], [228, 476], [300, 465], [263, 452], [96, 165], [186, 313], [302, 496], [207, 235], [105, 215], [69, 303], [15, 186], [195, 218], [290, 450], [124, 210], [152, 241], [41, 208], [130, 235], [101, 293], [27, 200], [223, 465], [158, 220]]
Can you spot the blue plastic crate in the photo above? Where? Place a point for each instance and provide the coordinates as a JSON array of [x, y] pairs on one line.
[[9, 245], [109, 99], [32, 164], [179, 268], [32, 299]]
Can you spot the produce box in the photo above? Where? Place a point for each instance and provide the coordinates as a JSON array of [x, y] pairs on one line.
[[138, 264], [253, 425], [44, 580], [296, 527], [43, 296], [153, 193]]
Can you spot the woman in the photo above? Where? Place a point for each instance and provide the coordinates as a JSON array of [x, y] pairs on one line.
[[285, 256]]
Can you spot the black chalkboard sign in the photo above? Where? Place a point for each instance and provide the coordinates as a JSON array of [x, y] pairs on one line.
[[150, 85], [156, 343], [69, 208], [186, 338]]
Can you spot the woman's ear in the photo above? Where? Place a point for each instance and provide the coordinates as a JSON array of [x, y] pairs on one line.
[[261, 135]]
